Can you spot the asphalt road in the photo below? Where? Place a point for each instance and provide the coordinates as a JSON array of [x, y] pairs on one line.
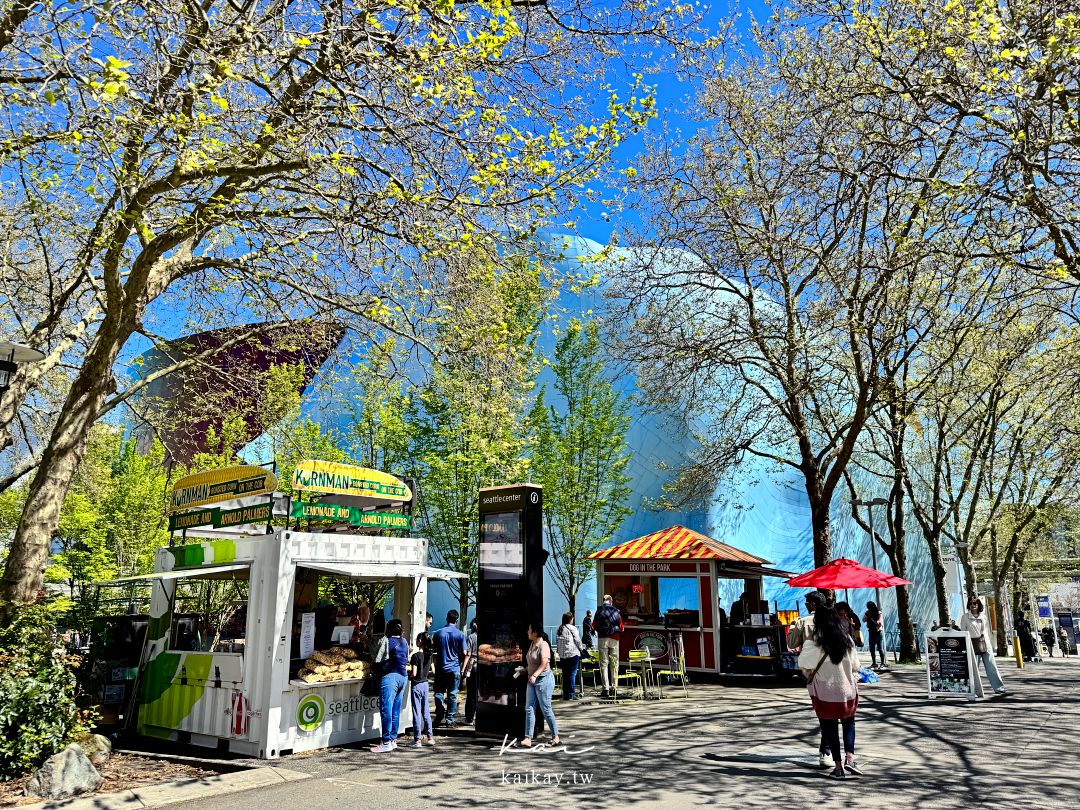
[[742, 745]]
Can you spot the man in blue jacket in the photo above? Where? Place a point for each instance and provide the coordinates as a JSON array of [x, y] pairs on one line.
[[451, 656]]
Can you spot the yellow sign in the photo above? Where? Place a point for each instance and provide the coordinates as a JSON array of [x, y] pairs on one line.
[[346, 479], [221, 485]]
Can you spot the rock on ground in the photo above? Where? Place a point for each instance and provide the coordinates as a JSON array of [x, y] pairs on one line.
[[97, 747], [66, 774]]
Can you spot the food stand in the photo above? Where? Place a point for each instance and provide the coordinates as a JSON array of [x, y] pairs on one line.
[[276, 678], [683, 566]]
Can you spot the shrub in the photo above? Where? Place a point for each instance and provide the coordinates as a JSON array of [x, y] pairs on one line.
[[39, 713]]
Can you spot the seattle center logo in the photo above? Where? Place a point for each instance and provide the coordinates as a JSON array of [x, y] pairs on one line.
[[309, 712]]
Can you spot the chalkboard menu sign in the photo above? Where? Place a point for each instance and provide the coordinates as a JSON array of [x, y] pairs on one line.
[[950, 665]]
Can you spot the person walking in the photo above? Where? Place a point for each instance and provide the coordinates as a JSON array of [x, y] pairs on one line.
[[974, 623], [830, 664], [393, 658], [451, 654], [608, 625], [1049, 638], [470, 673], [1063, 640], [541, 685], [419, 666], [799, 632], [875, 631], [587, 632], [1023, 632], [570, 649]]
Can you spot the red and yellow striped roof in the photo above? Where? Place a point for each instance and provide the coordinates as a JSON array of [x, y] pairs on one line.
[[676, 543]]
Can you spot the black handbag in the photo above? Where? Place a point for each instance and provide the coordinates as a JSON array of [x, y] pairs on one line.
[[371, 685]]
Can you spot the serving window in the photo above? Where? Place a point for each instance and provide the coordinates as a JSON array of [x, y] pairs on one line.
[[210, 612]]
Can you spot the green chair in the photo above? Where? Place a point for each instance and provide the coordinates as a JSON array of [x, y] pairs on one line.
[[641, 676], [590, 666], [678, 670]]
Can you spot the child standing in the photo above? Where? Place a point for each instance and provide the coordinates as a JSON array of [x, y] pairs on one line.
[[419, 664]]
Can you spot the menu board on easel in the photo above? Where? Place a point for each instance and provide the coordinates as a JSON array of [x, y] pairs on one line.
[[950, 664]]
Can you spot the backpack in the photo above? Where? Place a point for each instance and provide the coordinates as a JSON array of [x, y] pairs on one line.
[[604, 623]]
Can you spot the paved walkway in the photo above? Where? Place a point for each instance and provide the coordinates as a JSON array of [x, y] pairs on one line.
[[740, 746]]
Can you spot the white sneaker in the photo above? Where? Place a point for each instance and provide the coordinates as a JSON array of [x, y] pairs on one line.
[[382, 748], [824, 761]]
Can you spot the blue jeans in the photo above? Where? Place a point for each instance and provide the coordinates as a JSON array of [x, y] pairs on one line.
[[830, 737], [538, 695], [446, 696], [877, 645], [391, 695], [569, 668], [990, 665], [421, 710]]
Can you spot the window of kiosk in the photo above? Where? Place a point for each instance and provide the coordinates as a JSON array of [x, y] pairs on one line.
[[210, 614], [331, 610], [678, 597]]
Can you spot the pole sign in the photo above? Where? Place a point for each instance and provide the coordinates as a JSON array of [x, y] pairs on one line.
[[950, 664], [225, 484], [351, 514], [220, 518], [346, 479], [1043, 603]]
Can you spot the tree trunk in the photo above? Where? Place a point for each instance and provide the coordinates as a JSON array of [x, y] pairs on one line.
[[971, 586], [999, 618], [572, 604], [819, 516], [938, 565], [908, 640], [24, 571], [463, 609]]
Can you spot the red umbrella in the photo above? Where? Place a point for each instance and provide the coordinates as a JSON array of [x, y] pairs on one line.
[[842, 574]]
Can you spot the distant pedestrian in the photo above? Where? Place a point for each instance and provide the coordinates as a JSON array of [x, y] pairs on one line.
[[974, 623], [541, 685], [830, 664], [588, 635], [393, 658], [850, 622], [1023, 632], [875, 631], [1049, 639], [570, 650], [451, 653], [470, 673], [419, 667], [803, 627], [428, 619], [608, 625], [1063, 639]]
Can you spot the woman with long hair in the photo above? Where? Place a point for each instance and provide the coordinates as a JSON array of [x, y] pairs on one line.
[[393, 659], [830, 664], [974, 623], [875, 629], [419, 666], [568, 645], [541, 684]]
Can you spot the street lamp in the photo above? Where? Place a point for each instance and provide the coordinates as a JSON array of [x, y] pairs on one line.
[[11, 354], [873, 543]]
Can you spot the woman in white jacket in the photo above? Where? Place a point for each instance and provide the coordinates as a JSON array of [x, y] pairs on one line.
[[974, 623], [830, 664]]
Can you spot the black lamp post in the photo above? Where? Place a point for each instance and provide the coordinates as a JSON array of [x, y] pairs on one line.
[[873, 543], [11, 354]]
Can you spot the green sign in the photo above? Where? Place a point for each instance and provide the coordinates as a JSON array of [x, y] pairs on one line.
[[356, 517], [220, 518]]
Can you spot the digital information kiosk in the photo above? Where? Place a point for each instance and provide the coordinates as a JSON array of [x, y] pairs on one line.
[[509, 592]]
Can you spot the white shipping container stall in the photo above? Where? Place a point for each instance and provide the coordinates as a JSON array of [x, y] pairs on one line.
[[243, 699]]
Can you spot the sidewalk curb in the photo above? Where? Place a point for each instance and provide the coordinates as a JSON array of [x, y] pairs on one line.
[[184, 790]]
